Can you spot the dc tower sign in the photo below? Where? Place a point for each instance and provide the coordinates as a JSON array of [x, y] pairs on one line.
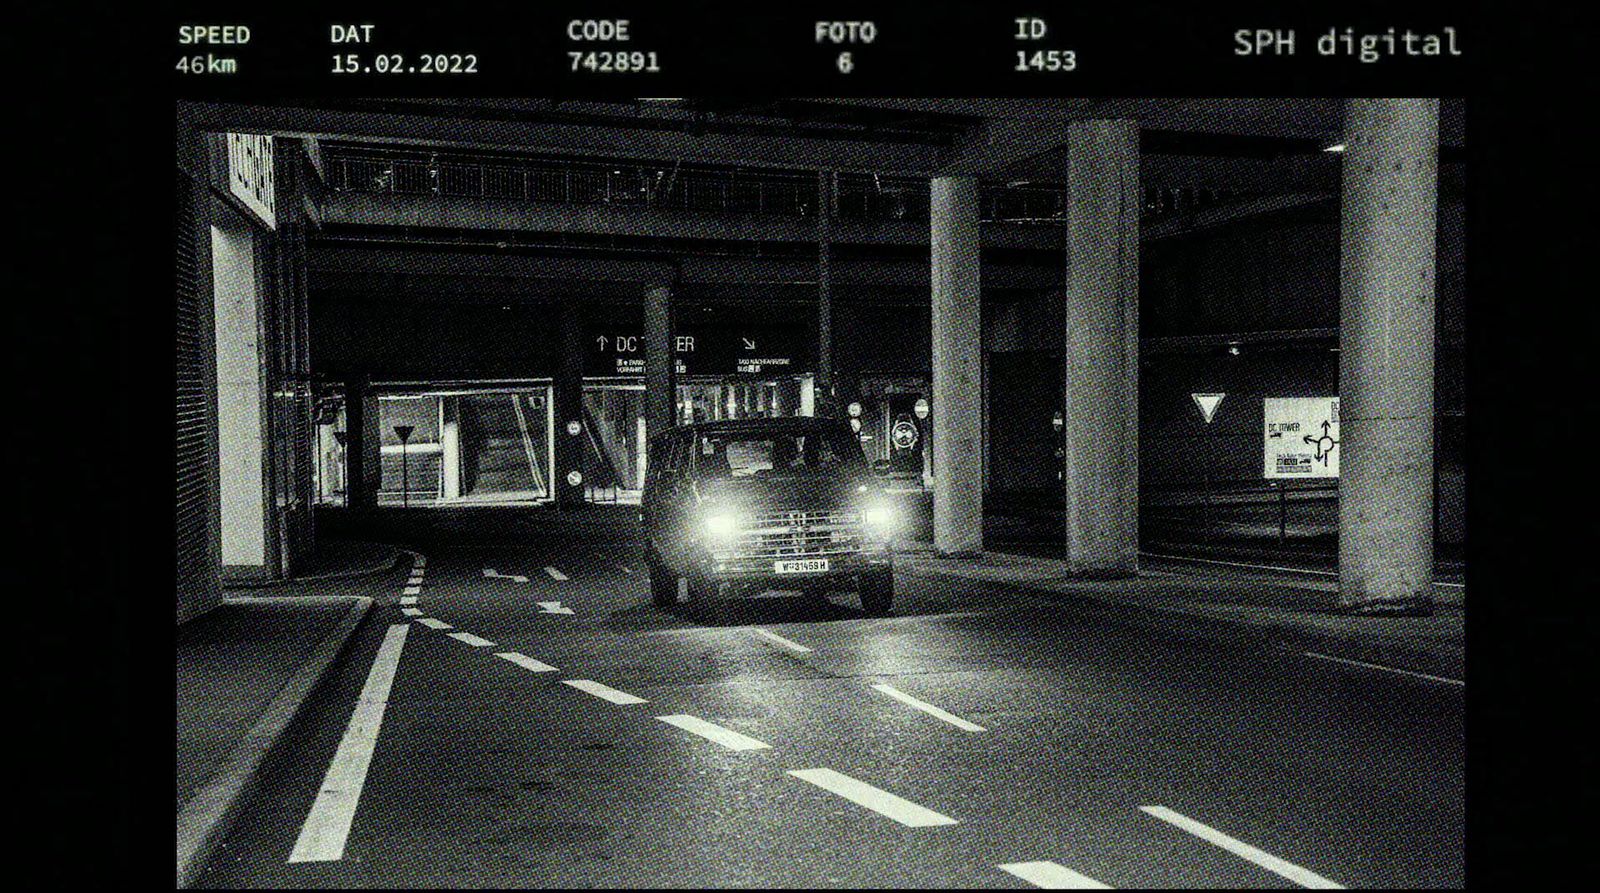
[[1301, 437]]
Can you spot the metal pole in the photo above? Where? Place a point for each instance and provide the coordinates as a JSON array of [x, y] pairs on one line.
[[405, 476], [1205, 524]]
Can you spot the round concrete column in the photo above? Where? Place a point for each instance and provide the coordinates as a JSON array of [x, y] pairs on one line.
[[660, 399], [569, 473], [1386, 338], [957, 411], [1100, 435]]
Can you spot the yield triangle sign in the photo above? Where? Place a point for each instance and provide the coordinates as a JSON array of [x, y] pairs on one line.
[[1208, 404]]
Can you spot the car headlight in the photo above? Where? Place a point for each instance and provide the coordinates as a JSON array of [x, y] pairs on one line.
[[720, 525], [878, 519]]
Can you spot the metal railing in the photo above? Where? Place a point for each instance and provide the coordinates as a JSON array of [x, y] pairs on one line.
[[869, 197]]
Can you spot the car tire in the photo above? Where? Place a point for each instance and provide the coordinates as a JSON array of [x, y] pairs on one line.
[[663, 585], [877, 592]]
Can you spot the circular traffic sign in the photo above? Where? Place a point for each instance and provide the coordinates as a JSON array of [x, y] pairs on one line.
[[921, 408], [574, 426], [904, 434], [855, 425], [574, 478], [854, 409]]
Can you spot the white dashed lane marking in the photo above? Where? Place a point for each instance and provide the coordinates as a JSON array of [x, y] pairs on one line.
[[1051, 876], [411, 590], [408, 599], [431, 623], [525, 662], [472, 640], [879, 801], [604, 692], [793, 646], [1289, 870], [555, 574], [929, 709], [712, 732], [323, 835], [411, 612]]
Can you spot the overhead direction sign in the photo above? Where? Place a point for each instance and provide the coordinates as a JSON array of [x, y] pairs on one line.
[[1208, 404], [1301, 437]]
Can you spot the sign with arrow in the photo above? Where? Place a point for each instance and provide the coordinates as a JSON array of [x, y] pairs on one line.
[[1208, 404], [1301, 437], [494, 574], [553, 608]]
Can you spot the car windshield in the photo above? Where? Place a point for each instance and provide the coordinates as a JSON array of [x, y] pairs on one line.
[[775, 455]]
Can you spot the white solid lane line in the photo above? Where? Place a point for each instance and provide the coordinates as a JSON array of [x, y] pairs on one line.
[[712, 732], [525, 662], [879, 801], [411, 612], [927, 708], [1362, 663], [472, 640], [327, 826], [408, 599], [604, 692], [431, 623], [555, 574], [796, 646], [1051, 876], [1303, 877]]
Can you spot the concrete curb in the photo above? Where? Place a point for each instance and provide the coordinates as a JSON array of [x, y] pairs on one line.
[[1268, 632], [206, 818], [378, 567]]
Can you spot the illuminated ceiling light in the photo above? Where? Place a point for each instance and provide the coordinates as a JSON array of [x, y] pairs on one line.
[[660, 99], [1336, 147], [1233, 349]]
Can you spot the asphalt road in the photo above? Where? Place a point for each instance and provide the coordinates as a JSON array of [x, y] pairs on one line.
[[1116, 753]]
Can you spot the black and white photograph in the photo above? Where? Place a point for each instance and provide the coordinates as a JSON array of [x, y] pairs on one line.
[[1018, 448]]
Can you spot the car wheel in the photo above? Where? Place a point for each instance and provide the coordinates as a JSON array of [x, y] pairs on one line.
[[877, 592], [663, 585]]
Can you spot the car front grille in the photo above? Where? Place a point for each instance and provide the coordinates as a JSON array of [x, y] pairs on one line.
[[797, 535]]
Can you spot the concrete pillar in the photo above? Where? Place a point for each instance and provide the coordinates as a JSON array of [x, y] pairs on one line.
[[825, 210], [241, 401], [660, 391], [1386, 340], [1101, 359], [568, 395], [957, 369], [450, 446]]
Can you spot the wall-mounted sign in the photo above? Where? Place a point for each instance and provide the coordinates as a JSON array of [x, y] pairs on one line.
[[904, 434], [1301, 437], [250, 174], [921, 408]]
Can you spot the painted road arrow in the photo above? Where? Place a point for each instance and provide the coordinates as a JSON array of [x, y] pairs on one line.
[[515, 578], [553, 608]]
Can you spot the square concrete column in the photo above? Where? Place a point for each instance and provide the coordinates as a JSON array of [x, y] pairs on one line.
[[957, 369], [1386, 337], [660, 394], [243, 457], [1101, 359]]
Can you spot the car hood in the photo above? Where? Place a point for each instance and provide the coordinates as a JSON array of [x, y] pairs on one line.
[[801, 492]]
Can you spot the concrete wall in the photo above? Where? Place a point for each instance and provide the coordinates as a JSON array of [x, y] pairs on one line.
[[241, 427]]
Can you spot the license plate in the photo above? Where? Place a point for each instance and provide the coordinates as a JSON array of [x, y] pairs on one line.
[[800, 565]]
